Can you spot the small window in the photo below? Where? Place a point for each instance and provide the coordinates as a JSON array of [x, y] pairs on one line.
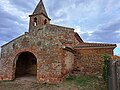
[[35, 21], [45, 21], [13, 45]]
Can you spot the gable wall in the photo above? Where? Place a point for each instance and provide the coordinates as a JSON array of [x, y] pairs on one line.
[[46, 44]]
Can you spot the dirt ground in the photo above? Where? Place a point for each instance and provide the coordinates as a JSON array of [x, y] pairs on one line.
[[30, 83]]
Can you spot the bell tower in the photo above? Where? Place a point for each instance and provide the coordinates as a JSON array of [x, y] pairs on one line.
[[39, 17]]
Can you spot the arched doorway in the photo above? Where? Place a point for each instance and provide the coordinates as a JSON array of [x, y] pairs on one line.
[[26, 65]]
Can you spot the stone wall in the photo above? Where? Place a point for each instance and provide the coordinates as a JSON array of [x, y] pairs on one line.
[[89, 60], [46, 43]]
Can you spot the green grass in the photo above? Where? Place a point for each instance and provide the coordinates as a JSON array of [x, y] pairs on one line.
[[85, 82], [81, 80]]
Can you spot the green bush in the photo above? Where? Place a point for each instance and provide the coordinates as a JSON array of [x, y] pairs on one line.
[[106, 66]]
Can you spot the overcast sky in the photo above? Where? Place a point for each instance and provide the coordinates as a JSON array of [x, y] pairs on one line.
[[94, 20]]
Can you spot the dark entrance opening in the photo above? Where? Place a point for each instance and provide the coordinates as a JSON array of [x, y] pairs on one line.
[[26, 65]]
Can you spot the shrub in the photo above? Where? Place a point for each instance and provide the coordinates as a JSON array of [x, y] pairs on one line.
[[106, 67]]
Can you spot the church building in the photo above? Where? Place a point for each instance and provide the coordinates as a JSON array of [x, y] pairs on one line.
[[50, 52]]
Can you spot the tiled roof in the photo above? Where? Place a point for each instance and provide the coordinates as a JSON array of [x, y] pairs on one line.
[[94, 45]]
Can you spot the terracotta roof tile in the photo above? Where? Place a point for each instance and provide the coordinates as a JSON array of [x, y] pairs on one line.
[[94, 45]]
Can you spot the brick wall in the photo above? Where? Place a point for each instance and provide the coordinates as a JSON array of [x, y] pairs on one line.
[[89, 61]]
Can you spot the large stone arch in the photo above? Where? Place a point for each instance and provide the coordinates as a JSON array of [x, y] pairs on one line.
[[17, 60]]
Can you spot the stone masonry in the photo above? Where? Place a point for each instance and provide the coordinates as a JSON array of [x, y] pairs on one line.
[[50, 52]]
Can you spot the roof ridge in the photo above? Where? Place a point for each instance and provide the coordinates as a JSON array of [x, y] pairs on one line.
[[98, 45]]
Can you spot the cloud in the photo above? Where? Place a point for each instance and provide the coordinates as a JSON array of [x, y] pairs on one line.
[[24, 5], [77, 29], [107, 33], [117, 51], [13, 23], [112, 6], [94, 20]]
